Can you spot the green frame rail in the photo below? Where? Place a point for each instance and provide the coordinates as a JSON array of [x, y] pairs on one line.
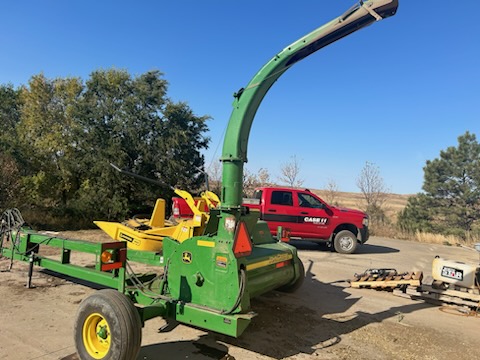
[[28, 249]]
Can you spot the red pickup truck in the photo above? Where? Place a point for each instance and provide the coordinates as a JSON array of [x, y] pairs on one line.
[[303, 214], [308, 217]]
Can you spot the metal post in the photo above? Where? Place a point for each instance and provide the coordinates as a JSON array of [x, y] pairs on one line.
[[30, 270]]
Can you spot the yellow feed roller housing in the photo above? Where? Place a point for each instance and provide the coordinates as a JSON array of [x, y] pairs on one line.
[[147, 234]]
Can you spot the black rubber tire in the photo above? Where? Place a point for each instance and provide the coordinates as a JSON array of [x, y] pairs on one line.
[[345, 242], [291, 288], [122, 318]]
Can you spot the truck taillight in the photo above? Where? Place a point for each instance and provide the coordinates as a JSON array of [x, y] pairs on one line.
[[283, 234], [176, 211]]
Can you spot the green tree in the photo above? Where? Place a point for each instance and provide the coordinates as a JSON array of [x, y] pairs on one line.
[[10, 185], [66, 133], [416, 215], [10, 174], [130, 122], [176, 152], [451, 202], [46, 133], [10, 107], [117, 122]]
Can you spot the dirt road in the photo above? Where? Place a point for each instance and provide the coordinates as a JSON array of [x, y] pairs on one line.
[[325, 319]]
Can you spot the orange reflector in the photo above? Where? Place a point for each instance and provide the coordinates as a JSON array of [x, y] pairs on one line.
[[285, 235], [106, 257], [113, 255], [242, 246], [282, 264]]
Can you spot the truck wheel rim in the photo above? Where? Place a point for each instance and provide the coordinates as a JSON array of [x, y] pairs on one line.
[[346, 243], [96, 336]]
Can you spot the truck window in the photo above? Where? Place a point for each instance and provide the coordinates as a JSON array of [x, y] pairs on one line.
[[282, 198], [306, 200], [257, 194]]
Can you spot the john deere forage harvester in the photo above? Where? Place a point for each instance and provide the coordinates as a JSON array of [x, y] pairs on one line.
[[207, 280]]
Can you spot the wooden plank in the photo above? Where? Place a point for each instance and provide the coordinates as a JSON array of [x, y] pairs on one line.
[[460, 294], [410, 290], [474, 291], [418, 275], [407, 276], [390, 280], [391, 283], [398, 292], [449, 299]]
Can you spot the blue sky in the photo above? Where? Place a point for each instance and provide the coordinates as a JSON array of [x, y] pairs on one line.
[[394, 94]]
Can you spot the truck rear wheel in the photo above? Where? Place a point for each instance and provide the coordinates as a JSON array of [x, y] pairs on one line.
[[108, 326], [345, 242]]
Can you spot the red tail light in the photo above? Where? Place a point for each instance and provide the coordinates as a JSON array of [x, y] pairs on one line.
[[176, 211]]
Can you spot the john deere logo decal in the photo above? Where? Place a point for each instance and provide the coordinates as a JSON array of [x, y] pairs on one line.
[[187, 257]]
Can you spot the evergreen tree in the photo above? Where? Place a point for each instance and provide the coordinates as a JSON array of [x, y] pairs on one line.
[[451, 202]]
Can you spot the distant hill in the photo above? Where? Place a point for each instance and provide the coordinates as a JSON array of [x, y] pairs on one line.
[[394, 204]]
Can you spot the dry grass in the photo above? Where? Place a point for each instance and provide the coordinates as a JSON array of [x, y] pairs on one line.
[[445, 239], [44, 220], [93, 235], [393, 205], [437, 238]]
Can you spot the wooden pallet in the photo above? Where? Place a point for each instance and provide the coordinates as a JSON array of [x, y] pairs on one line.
[[388, 281], [441, 296]]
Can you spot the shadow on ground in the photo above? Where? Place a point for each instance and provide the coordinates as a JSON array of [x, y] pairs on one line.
[[361, 249], [315, 318], [204, 348]]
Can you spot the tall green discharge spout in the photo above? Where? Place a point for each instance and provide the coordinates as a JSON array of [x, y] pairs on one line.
[[248, 99]]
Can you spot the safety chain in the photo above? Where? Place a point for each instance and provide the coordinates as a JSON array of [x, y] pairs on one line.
[[11, 222]]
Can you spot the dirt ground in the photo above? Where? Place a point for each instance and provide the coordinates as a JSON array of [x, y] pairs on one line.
[[325, 319]]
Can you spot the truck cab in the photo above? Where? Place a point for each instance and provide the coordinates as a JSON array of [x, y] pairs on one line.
[[308, 217]]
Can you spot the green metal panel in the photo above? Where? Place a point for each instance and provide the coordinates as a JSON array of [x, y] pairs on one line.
[[145, 257], [102, 278], [74, 245], [203, 271], [32, 242], [149, 312], [232, 325]]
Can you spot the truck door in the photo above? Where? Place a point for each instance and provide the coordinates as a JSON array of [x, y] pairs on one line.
[[279, 211], [314, 216]]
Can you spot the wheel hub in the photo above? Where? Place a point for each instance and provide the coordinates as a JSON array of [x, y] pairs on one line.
[[346, 243], [102, 332], [96, 336]]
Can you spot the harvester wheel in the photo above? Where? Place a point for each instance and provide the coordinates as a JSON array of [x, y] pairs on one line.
[[291, 288], [345, 242], [107, 327]]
